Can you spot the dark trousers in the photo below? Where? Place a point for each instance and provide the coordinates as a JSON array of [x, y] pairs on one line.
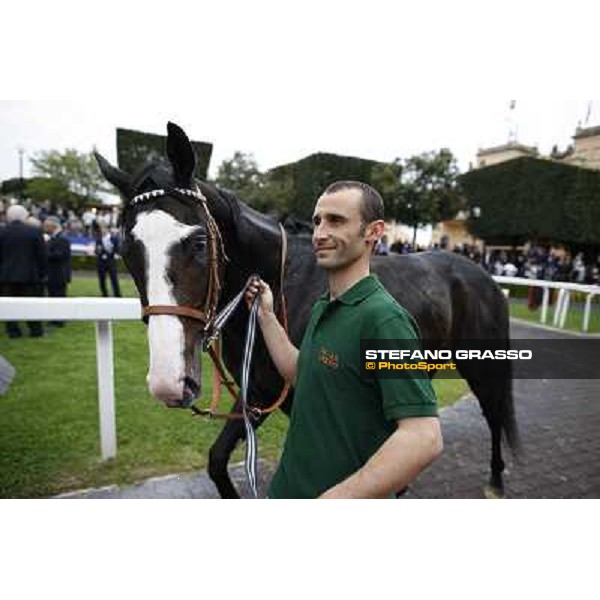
[[109, 268], [57, 290], [23, 290]]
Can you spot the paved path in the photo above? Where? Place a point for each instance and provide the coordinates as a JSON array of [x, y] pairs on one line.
[[559, 422]]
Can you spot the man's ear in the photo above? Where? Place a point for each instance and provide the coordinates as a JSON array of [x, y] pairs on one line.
[[374, 231]]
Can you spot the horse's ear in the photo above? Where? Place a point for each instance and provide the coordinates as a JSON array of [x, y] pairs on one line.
[[120, 179], [181, 154]]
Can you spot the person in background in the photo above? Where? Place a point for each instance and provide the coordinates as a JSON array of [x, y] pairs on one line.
[[23, 264], [59, 261], [107, 247], [383, 247], [33, 222]]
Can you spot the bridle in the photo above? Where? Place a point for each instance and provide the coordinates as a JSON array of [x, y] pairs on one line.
[[211, 320], [216, 259]]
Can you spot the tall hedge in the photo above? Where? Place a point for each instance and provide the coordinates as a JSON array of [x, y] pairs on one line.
[[136, 148], [534, 199], [311, 175]]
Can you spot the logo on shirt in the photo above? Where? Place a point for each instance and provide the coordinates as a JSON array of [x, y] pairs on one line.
[[328, 358]]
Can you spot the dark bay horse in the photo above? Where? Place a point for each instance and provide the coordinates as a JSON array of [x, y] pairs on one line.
[[189, 244]]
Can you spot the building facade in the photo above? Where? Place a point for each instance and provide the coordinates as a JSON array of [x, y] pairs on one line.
[[585, 151]]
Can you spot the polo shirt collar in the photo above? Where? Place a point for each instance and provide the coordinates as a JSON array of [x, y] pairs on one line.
[[358, 292]]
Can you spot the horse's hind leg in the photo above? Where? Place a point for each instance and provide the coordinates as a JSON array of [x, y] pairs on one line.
[[489, 393], [495, 488]]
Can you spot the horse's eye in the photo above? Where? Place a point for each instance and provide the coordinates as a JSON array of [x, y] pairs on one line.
[[199, 243]]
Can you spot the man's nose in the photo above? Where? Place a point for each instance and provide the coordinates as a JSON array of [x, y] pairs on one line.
[[321, 231]]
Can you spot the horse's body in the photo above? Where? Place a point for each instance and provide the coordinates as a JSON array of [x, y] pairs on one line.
[[450, 297]]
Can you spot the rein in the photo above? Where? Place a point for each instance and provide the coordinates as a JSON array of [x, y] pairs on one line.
[[213, 347]]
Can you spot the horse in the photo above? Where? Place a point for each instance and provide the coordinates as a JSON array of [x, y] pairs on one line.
[[191, 247]]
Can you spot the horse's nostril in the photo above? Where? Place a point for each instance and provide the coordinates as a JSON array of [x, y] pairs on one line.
[[190, 387]]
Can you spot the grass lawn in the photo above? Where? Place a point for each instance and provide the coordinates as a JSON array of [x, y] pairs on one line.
[[49, 437], [574, 319]]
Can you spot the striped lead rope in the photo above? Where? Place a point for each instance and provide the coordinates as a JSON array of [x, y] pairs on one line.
[[223, 316], [251, 460]]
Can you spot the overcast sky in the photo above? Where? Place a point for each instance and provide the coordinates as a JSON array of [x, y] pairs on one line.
[[281, 82], [381, 129]]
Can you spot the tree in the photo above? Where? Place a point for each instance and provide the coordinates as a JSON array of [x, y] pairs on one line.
[[386, 179], [420, 190], [241, 175], [66, 177]]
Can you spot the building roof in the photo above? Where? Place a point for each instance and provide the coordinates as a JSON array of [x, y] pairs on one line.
[[587, 132], [506, 147]]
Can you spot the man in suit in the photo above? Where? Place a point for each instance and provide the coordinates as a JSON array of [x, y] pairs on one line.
[[107, 247], [59, 261], [23, 264]]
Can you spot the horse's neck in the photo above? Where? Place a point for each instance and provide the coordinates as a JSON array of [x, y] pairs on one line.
[[252, 243]]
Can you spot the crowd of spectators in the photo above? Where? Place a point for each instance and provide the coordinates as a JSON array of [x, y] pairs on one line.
[[531, 262], [80, 226], [537, 262], [36, 246]]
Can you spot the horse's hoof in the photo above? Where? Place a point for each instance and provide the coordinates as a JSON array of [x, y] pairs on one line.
[[493, 493]]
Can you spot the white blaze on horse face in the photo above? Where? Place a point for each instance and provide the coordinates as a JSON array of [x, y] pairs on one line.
[[159, 232]]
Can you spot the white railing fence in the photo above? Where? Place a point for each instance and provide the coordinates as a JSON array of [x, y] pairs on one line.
[[105, 310], [563, 301], [101, 310]]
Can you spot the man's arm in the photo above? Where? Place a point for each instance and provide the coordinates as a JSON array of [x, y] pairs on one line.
[[283, 353], [415, 444]]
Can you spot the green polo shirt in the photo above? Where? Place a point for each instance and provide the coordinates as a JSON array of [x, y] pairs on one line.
[[340, 418]]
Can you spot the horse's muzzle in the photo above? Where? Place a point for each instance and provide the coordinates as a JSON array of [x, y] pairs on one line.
[[191, 391]]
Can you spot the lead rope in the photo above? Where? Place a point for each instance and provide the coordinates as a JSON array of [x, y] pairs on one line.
[[251, 458], [222, 318], [251, 461]]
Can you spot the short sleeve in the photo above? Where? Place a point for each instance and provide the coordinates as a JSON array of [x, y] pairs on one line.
[[411, 395]]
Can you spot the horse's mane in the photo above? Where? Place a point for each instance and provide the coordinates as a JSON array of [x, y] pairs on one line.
[[299, 232]]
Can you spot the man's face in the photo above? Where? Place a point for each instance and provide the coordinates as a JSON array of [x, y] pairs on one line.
[[338, 236]]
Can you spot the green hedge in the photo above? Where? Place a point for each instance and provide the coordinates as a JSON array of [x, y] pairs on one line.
[[136, 148], [311, 175], [534, 199]]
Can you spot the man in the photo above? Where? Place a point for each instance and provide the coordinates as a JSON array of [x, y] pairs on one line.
[[59, 261], [349, 437], [23, 264], [107, 247]]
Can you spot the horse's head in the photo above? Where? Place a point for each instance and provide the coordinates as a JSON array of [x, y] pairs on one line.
[[172, 248]]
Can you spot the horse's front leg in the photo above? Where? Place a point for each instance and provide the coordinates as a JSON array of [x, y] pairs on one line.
[[221, 450], [219, 454]]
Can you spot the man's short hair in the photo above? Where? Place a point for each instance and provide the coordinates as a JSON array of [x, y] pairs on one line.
[[16, 213], [371, 207], [54, 221]]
